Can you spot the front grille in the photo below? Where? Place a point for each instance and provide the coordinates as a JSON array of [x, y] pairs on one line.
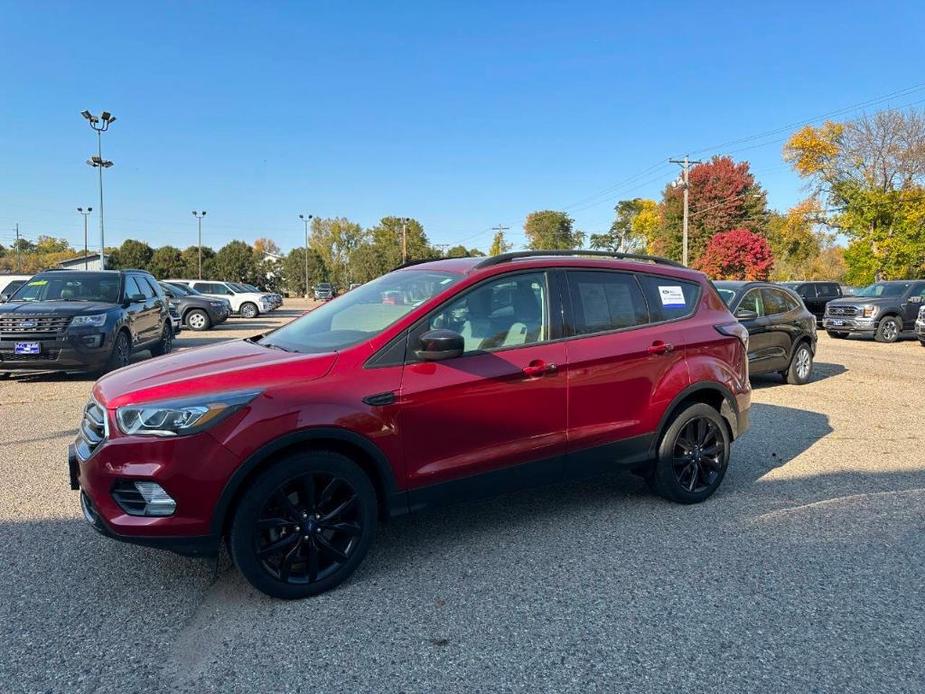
[[47, 355], [92, 430], [842, 310], [922, 313], [33, 324]]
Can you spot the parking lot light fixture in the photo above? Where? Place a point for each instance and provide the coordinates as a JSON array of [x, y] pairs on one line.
[[85, 214], [306, 219], [199, 215], [100, 124]]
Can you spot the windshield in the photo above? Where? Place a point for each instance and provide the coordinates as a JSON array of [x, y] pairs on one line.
[[361, 314], [71, 286], [883, 289], [240, 288], [177, 289]]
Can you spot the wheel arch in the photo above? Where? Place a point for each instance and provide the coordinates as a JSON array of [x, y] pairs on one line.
[[361, 450], [711, 393]]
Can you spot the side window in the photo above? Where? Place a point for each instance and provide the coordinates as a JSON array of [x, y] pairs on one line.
[[774, 302], [131, 287], [603, 301], [144, 287], [807, 291], [827, 291], [669, 298], [753, 302], [918, 291], [216, 288], [505, 312], [155, 287]]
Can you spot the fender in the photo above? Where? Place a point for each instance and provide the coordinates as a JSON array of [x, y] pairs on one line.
[[396, 503], [729, 410]]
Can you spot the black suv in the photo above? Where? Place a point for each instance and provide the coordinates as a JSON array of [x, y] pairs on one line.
[[83, 321], [196, 311], [884, 310], [781, 330], [815, 295]]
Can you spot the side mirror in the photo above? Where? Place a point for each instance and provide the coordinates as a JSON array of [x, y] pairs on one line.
[[437, 345], [745, 314], [137, 299], [4, 298]]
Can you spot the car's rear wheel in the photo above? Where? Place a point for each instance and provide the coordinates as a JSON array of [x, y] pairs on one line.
[[165, 343], [888, 330], [250, 310], [304, 525], [837, 336], [121, 352], [801, 366], [693, 455], [198, 319]]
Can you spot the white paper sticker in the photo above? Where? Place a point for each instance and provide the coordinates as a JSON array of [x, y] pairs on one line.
[[671, 296]]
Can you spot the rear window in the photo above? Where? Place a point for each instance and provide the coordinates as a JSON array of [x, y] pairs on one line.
[[828, 290], [670, 298], [603, 301]]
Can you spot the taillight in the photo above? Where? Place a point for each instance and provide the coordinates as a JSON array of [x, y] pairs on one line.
[[734, 329]]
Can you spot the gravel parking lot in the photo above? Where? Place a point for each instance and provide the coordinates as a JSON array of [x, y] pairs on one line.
[[803, 573]]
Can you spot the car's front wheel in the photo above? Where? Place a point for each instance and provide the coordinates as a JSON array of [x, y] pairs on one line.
[[888, 330], [198, 319], [693, 455], [121, 352], [801, 366], [304, 525], [250, 310]]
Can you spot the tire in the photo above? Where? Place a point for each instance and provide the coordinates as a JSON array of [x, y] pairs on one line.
[[888, 330], [800, 370], [692, 477], [922, 342], [322, 494], [837, 336], [121, 352], [165, 343], [249, 310], [198, 320]]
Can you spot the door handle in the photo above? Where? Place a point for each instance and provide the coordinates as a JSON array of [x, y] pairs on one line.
[[538, 368], [660, 347]]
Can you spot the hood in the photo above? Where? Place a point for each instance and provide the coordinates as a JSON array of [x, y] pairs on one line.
[[56, 308], [863, 300], [234, 365]]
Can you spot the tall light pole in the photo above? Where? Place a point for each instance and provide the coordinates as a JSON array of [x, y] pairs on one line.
[[685, 185], [404, 239], [306, 218], [100, 124], [199, 216], [85, 214]]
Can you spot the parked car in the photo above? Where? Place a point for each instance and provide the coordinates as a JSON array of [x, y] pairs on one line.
[[243, 302], [781, 330], [920, 326], [196, 311], [10, 283], [884, 310], [324, 291], [815, 295], [83, 321], [175, 321], [486, 375], [275, 299]]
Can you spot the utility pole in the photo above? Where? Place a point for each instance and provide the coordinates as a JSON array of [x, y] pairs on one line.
[[306, 218], [17, 247], [85, 214], [100, 124], [404, 239], [685, 185], [500, 229], [199, 215]]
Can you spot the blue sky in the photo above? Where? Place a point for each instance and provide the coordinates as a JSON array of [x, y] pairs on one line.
[[463, 114]]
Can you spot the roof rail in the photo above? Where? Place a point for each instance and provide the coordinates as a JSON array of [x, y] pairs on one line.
[[505, 257], [410, 263]]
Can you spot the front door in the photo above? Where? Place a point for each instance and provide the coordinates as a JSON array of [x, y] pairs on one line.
[[762, 348], [912, 304], [502, 403]]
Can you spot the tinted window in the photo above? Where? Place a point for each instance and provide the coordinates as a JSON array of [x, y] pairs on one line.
[[71, 286], [752, 302], [669, 298], [131, 287], [776, 302], [918, 290], [603, 301], [807, 291], [146, 288], [827, 290], [505, 312]]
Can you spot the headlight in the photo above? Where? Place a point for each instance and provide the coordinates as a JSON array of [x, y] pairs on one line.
[[869, 311], [216, 304], [180, 417], [96, 320]]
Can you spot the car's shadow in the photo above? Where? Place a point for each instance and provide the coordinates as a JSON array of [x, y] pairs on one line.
[[821, 371]]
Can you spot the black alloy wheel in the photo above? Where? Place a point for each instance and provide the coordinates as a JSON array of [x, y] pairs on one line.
[[305, 525], [121, 352], [165, 344], [693, 456]]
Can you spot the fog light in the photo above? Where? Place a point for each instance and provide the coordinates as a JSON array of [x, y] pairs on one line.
[[143, 498], [92, 340]]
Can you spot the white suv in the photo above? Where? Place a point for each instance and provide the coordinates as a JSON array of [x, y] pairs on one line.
[[243, 302]]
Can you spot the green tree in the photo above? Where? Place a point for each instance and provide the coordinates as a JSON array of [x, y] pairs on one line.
[[459, 251], [166, 262], [335, 239], [131, 254], [548, 230], [237, 262], [293, 271], [50, 244], [631, 228], [190, 258], [499, 244]]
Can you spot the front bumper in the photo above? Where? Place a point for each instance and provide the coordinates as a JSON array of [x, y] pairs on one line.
[[849, 325], [920, 329], [76, 350]]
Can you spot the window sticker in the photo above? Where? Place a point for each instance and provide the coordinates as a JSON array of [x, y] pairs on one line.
[[671, 296], [38, 283]]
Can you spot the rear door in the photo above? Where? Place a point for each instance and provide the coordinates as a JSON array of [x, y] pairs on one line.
[[783, 327], [500, 404], [626, 355], [149, 317]]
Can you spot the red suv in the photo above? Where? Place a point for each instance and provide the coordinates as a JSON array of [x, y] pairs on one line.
[[444, 380]]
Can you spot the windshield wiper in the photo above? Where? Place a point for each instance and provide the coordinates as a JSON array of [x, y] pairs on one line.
[[268, 345]]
